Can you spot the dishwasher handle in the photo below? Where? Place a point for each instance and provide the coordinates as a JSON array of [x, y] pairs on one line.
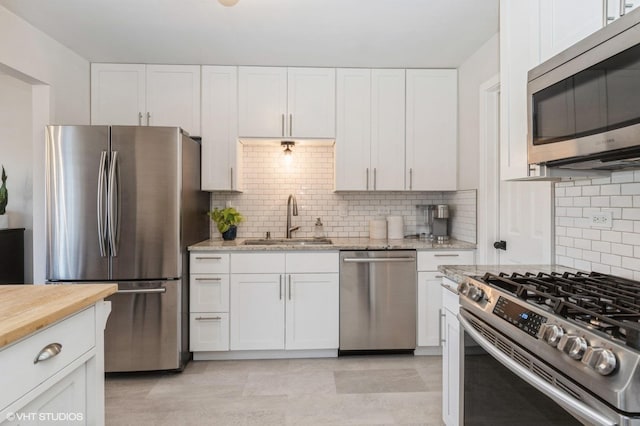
[[377, 259]]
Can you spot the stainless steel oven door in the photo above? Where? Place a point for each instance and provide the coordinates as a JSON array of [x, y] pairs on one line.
[[503, 385]]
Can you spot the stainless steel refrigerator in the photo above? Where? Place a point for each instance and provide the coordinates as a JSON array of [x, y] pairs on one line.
[[123, 203]]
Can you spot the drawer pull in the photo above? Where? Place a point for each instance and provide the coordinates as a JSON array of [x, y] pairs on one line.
[[209, 279], [208, 258], [439, 276], [446, 255], [207, 318], [49, 351]]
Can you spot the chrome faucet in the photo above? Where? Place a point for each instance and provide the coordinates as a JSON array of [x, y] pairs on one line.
[[290, 228]]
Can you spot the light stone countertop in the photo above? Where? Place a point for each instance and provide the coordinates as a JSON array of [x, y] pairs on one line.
[[458, 273], [338, 244]]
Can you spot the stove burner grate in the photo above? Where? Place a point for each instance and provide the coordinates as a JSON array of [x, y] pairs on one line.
[[602, 302]]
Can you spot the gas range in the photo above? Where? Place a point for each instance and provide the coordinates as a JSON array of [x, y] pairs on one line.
[[579, 332]]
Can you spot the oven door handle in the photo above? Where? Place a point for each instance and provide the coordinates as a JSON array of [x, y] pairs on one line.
[[572, 405]]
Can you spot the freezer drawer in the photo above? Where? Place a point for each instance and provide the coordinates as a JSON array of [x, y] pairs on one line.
[[144, 330], [378, 300]]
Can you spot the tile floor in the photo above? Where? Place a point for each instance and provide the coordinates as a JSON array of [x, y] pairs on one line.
[[332, 391]]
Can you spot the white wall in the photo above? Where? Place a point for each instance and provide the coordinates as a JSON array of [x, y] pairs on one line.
[[480, 67], [59, 80]]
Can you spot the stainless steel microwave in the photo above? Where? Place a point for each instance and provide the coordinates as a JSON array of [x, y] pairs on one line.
[[584, 103]]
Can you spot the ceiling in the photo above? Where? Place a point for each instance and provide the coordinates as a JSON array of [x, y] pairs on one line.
[[336, 33]]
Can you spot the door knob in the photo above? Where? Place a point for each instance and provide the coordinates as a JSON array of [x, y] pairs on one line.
[[500, 245]]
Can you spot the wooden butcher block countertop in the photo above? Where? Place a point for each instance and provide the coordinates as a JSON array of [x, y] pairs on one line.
[[25, 309]]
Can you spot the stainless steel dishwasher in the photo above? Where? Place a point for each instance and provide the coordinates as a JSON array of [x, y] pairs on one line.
[[377, 300]]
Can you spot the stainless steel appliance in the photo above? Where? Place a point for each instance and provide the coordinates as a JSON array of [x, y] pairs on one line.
[[123, 203], [584, 103], [552, 345], [377, 300], [440, 228]]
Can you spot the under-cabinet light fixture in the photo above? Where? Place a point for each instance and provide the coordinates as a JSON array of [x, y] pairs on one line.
[[287, 147], [228, 3]]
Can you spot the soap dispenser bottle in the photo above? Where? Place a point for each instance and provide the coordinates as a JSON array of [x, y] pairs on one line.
[[318, 231]]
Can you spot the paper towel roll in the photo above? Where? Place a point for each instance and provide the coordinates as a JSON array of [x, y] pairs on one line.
[[395, 228], [378, 229]]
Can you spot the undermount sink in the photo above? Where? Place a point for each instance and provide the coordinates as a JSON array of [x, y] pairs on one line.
[[288, 242]]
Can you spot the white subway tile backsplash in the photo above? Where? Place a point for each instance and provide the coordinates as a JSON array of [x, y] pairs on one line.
[[614, 250]]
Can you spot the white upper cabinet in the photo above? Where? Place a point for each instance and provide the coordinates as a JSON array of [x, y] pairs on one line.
[[353, 129], [143, 95], [118, 94], [432, 130], [173, 96], [286, 102], [388, 129], [220, 159]]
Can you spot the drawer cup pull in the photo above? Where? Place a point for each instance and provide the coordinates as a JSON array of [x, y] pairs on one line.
[[48, 352]]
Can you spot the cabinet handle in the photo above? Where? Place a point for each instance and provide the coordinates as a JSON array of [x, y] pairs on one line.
[[208, 318], [208, 258], [440, 333], [139, 119], [367, 178], [280, 287], [375, 180], [410, 178], [282, 124], [208, 279], [290, 124], [446, 255], [48, 352], [231, 177], [289, 286], [148, 118], [439, 276]]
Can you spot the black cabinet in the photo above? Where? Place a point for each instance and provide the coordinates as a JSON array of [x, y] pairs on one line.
[[12, 256]]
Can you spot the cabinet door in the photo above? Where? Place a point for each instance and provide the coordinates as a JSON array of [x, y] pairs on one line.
[[311, 102], [220, 163], [353, 129], [563, 23], [429, 308], [173, 96], [432, 130], [118, 94], [451, 363], [519, 52], [388, 129], [312, 311], [262, 101], [257, 312]]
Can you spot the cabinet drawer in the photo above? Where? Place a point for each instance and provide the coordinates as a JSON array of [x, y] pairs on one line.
[[76, 335], [308, 263], [209, 293], [257, 263], [429, 260], [209, 332], [209, 263]]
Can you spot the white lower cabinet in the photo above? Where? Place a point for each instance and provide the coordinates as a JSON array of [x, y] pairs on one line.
[[430, 301], [451, 363], [209, 332]]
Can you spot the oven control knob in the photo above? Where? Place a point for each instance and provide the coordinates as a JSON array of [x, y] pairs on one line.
[[574, 346], [600, 359], [475, 293], [551, 334], [463, 288]]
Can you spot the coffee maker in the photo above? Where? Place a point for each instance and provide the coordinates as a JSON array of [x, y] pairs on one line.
[[432, 221]]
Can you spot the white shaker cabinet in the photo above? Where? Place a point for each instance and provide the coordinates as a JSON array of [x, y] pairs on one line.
[[221, 156], [431, 130], [451, 357], [279, 102], [146, 95]]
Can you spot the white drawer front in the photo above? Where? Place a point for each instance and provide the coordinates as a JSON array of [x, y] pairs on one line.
[[209, 262], [209, 293], [307, 263], [257, 263], [19, 373], [209, 332], [429, 260]]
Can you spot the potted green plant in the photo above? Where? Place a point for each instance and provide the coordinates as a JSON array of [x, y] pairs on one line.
[[226, 220], [4, 199]]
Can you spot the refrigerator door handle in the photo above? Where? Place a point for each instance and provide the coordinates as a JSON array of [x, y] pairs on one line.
[[114, 204], [102, 183]]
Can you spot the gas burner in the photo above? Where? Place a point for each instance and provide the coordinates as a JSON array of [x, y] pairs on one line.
[[601, 302]]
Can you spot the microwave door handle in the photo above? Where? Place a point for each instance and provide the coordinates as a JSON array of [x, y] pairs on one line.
[[572, 405]]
